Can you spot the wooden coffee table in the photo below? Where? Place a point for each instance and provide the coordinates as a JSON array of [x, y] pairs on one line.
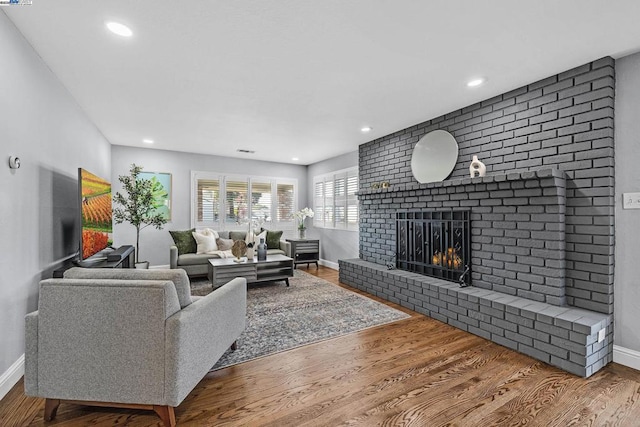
[[276, 267]]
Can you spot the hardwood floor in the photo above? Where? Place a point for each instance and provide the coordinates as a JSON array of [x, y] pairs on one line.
[[415, 372]]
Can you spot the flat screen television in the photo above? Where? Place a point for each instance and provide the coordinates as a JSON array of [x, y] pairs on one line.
[[96, 216]]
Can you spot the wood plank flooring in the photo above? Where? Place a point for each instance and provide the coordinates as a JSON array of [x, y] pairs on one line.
[[415, 372]]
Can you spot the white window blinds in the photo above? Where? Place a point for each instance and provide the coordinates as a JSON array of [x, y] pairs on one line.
[[285, 202], [208, 200], [335, 200], [225, 202]]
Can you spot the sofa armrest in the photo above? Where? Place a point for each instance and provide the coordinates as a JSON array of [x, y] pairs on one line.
[[31, 354], [173, 256], [198, 335], [286, 247]]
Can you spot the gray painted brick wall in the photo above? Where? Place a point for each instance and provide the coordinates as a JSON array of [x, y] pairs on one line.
[[564, 121]]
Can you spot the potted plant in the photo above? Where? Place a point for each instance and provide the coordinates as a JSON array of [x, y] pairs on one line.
[[301, 215], [136, 206]]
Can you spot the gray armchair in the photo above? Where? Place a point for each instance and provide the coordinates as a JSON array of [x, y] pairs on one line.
[[127, 338]]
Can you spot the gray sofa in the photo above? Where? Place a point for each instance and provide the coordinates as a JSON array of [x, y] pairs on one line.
[[196, 264], [127, 338]]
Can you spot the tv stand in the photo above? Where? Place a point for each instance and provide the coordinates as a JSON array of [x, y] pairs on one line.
[[123, 257]]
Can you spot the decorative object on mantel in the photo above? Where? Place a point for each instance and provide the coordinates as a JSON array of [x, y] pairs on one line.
[[384, 184], [301, 215], [434, 157], [375, 185], [477, 168], [238, 250]]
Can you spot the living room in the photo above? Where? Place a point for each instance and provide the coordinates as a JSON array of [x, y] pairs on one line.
[[53, 133]]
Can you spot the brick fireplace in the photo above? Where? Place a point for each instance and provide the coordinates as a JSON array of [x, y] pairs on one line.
[[541, 220]]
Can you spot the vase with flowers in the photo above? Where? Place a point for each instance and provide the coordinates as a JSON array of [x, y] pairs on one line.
[[301, 215]]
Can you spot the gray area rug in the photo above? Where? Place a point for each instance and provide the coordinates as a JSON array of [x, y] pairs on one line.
[[280, 318]]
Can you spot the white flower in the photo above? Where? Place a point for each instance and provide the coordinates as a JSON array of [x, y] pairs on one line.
[[303, 214]]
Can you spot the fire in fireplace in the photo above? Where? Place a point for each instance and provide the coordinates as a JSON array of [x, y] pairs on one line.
[[435, 243]]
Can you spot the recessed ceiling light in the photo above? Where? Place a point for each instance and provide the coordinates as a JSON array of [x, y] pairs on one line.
[[295, 159], [365, 129], [475, 82], [119, 29], [148, 141]]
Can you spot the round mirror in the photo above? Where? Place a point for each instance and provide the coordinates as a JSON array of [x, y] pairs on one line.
[[434, 156]]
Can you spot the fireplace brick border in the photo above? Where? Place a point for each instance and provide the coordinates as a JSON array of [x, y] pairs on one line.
[[565, 337]]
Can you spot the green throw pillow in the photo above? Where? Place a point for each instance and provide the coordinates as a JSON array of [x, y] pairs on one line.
[[184, 241], [273, 239]]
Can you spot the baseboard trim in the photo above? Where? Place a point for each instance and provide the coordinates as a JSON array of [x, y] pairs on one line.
[[11, 377], [626, 357], [332, 265], [157, 267]]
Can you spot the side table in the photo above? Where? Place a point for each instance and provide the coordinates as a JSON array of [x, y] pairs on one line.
[[305, 251]]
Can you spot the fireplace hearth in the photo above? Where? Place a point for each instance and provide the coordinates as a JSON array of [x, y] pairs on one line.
[[435, 243]]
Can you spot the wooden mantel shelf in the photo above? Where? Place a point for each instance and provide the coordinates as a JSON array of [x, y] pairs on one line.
[[538, 173]]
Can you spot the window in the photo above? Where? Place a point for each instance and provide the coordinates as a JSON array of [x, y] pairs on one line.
[[334, 200], [208, 200], [236, 207], [224, 202], [286, 201]]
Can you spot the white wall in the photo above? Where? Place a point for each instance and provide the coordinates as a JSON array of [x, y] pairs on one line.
[[334, 244], [627, 157], [154, 244], [43, 125]]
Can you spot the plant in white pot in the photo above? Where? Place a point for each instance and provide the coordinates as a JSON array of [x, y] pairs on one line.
[[136, 205]]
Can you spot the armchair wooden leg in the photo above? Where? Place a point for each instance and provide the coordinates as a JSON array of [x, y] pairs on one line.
[[166, 414], [50, 408], [234, 346]]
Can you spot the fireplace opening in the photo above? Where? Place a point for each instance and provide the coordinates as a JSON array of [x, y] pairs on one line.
[[435, 243]]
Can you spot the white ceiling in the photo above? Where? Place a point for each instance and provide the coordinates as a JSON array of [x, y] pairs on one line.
[[299, 78]]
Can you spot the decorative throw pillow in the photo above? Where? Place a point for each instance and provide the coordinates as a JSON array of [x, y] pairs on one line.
[[224, 244], [206, 241], [184, 241], [237, 235], [208, 232], [273, 239]]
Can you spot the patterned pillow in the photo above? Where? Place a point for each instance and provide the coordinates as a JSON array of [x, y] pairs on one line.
[[184, 241], [273, 239], [224, 244]]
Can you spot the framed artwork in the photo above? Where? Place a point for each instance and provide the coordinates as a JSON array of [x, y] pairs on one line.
[[161, 191]]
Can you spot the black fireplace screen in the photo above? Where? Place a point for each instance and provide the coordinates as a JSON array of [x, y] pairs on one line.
[[435, 244]]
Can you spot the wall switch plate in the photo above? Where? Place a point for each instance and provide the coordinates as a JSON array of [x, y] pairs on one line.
[[601, 334], [630, 200]]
